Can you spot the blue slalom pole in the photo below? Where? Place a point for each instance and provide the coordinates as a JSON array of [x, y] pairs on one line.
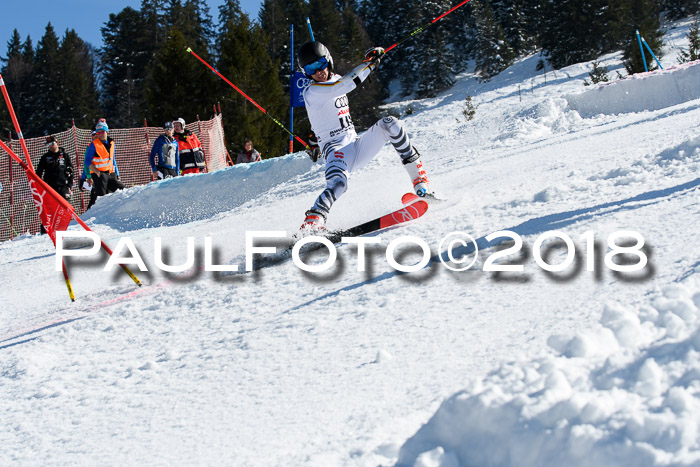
[[641, 49], [291, 92], [311, 33], [652, 53]]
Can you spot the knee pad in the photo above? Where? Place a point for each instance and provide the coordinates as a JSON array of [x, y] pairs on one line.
[[391, 126], [395, 134], [337, 184]]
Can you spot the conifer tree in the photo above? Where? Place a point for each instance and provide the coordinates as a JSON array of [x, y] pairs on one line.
[[388, 21], [576, 31], [275, 18], [511, 16], [682, 8], [434, 55], [154, 16], [76, 77], [354, 42], [693, 52], [16, 71], [642, 15], [201, 22], [534, 13], [244, 60], [178, 84], [493, 53], [377, 14], [463, 36], [124, 68], [272, 17], [195, 23], [326, 22], [45, 95]]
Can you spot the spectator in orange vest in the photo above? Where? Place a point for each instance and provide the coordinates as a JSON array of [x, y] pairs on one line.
[[191, 152], [100, 168], [249, 154]]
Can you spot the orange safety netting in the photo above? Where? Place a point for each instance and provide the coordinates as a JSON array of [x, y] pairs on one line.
[[18, 215]]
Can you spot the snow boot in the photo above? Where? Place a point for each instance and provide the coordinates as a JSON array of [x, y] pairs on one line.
[[314, 222], [418, 175]]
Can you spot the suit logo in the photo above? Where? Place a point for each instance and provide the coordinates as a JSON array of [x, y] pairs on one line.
[[341, 102]]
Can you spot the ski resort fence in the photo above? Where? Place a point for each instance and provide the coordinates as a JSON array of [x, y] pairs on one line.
[[18, 214]]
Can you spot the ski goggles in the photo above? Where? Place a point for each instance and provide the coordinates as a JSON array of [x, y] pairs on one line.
[[319, 64]]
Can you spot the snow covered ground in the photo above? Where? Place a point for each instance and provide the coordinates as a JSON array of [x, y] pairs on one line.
[[282, 367]]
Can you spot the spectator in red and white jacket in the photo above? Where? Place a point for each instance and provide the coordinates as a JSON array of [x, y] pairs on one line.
[[191, 152], [248, 154]]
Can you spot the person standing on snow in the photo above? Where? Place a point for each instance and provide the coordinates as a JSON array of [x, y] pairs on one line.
[[191, 152], [337, 142], [101, 169], [165, 154], [56, 168]]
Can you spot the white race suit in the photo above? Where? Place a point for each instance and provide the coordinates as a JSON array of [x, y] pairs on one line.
[[344, 151]]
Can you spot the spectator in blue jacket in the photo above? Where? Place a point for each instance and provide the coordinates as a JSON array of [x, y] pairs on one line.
[[165, 154]]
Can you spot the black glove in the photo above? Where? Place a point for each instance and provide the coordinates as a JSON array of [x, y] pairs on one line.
[[374, 55], [313, 150], [69, 175]]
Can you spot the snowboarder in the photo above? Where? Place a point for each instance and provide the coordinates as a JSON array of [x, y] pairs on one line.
[[337, 142]]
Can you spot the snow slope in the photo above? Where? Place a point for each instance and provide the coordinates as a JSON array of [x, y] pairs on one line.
[[282, 367]]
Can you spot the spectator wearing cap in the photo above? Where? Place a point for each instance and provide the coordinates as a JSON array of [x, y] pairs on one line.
[[165, 154], [249, 154], [191, 152], [56, 168], [101, 169]]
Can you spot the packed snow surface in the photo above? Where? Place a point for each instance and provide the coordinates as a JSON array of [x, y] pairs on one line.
[[585, 366]]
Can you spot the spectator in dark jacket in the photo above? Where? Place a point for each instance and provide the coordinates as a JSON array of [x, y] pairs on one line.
[[165, 154], [56, 168], [249, 154]]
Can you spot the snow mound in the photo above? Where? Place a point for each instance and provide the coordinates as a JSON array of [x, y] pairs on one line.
[[187, 199], [678, 160], [626, 392], [641, 92], [546, 118]]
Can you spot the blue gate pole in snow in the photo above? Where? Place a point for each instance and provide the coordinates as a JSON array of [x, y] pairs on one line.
[[311, 33], [291, 92], [641, 49], [652, 53]]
